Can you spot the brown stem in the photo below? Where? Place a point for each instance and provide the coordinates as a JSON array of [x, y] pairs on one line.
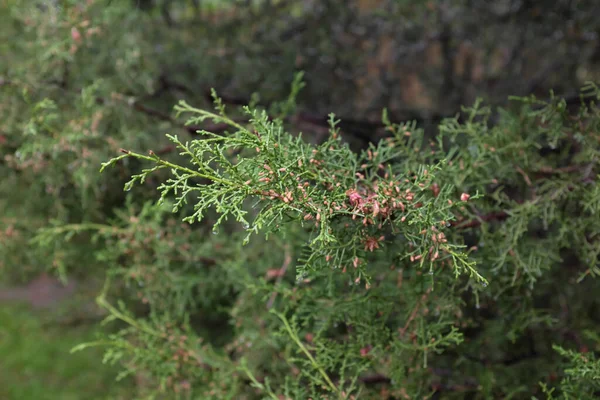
[[493, 216], [287, 260]]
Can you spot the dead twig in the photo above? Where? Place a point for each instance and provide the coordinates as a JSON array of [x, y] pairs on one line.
[[280, 273], [525, 176], [414, 312], [494, 216]]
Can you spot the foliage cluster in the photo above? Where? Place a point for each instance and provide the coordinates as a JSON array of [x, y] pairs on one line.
[[245, 260], [395, 248]]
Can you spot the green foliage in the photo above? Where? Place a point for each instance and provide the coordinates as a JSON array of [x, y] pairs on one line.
[[583, 375], [399, 217], [245, 260]]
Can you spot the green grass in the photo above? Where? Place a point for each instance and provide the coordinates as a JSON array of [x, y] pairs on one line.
[[36, 363]]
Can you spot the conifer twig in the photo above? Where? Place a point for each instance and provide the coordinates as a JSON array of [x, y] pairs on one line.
[[414, 312], [314, 363], [493, 216], [525, 176], [281, 273]]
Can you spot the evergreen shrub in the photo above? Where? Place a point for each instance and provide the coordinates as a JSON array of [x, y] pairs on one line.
[[416, 268], [244, 260]]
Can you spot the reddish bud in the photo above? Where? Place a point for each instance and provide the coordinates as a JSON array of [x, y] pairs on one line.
[[75, 35]]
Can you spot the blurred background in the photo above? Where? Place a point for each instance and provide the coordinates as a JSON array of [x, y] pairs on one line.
[[113, 69]]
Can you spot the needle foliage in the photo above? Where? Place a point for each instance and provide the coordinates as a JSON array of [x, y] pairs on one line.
[[247, 254], [411, 268]]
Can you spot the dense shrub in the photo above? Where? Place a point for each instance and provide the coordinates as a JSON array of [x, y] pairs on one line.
[[358, 259]]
